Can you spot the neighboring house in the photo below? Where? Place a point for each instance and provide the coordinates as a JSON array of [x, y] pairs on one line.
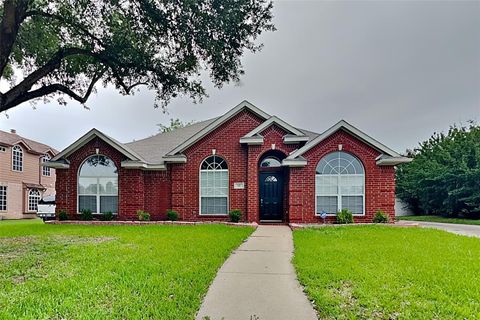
[[245, 159], [23, 179]]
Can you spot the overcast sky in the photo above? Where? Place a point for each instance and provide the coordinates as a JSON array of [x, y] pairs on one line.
[[396, 70]]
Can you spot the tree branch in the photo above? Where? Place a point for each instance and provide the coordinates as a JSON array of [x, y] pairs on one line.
[[66, 21], [13, 16], [52, 88]]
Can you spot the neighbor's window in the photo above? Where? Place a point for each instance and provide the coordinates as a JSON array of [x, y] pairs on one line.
[[98, 185], [17, 158], [46, 170], [340, 184], [33, 198], [214, 186], [3, 198]]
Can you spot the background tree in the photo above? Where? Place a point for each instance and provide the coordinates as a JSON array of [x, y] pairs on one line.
[[64, 48], [444, 176], [174, 124]]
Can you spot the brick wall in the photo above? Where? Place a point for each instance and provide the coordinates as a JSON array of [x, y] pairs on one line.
[[138, 190], [379, 181]]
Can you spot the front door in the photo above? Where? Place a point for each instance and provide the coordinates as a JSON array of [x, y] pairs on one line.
[[271, 196]]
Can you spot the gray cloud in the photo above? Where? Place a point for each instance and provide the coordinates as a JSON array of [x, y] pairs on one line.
[[396, 70]]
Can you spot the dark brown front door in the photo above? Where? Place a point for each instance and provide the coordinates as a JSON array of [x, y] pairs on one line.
[[271, 195]]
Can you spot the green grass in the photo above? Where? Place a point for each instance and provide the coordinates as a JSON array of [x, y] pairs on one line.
[[109, 272], [440, 219], [382, 272]]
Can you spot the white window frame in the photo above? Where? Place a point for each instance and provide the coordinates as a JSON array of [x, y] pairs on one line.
[[17, 149], [3, 198], [46, 172], [3, 149], [339, 189], [33, 199], [97, 195], [200, 188]]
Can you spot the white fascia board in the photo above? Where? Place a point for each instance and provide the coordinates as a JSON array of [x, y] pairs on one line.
[[393, 161], [277, 121], [295, 163], [342, 124], [253, 141], [215, 124], [88, 137], [56, 165], [290, 139], [181, 158], [142, 165]]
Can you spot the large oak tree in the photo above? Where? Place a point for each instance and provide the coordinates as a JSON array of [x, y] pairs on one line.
[[64, 48]]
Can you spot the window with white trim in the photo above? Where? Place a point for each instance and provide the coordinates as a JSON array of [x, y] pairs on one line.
[[98, 185], [3, 149], [3, 198], [340, 184], [17, 158], [214, 186], [46, 170], [33, 199]]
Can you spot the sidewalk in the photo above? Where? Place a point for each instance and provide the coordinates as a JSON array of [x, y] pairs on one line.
[[258, 282]]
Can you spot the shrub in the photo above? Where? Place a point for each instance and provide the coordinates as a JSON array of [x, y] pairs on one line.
[[107, 216], [381, 217], [235, 215], [86, 215], [62, 215], [143, 215], [172, 215], [345, 216]]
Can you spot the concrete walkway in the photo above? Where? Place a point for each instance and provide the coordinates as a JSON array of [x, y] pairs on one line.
[[258, 282], [462, 229]]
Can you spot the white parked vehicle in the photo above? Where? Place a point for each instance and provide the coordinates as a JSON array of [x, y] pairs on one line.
[[46, 208]]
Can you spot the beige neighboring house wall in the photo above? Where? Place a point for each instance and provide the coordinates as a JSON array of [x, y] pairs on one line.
[[19, 183]]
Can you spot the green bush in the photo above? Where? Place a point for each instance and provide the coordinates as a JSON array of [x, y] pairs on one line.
[[172, 215], [345, 216], [381, 217], [62, 215], [143, 215], [235, 215], [444, 176], [86, 215], [107, 216]]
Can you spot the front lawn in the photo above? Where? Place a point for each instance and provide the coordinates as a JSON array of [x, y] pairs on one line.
[[440, 219], [109, 272], [382, 272]]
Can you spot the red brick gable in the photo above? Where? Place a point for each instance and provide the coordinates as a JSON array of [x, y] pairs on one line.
[[379, 180]]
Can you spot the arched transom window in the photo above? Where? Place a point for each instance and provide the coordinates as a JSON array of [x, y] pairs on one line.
[[214, 186], [340, 184], [270, 162], [17, 158], [98, 185], [33, 199]]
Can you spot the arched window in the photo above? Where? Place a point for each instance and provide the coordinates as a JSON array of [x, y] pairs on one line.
[[98, 185], [46, 170], [17, 158], [214, 186], [340, 184], [33, 198], [270, 162]]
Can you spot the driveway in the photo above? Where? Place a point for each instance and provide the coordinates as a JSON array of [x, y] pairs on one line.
[[258, 282], [462, 229]]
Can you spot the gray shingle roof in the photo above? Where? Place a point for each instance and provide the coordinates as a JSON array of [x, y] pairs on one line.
[[10, 139], [152, 149]]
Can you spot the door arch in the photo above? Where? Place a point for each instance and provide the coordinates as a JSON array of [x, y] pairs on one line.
[[271, 184]]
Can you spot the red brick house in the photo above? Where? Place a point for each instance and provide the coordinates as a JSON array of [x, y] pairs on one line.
[[245, 159]]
